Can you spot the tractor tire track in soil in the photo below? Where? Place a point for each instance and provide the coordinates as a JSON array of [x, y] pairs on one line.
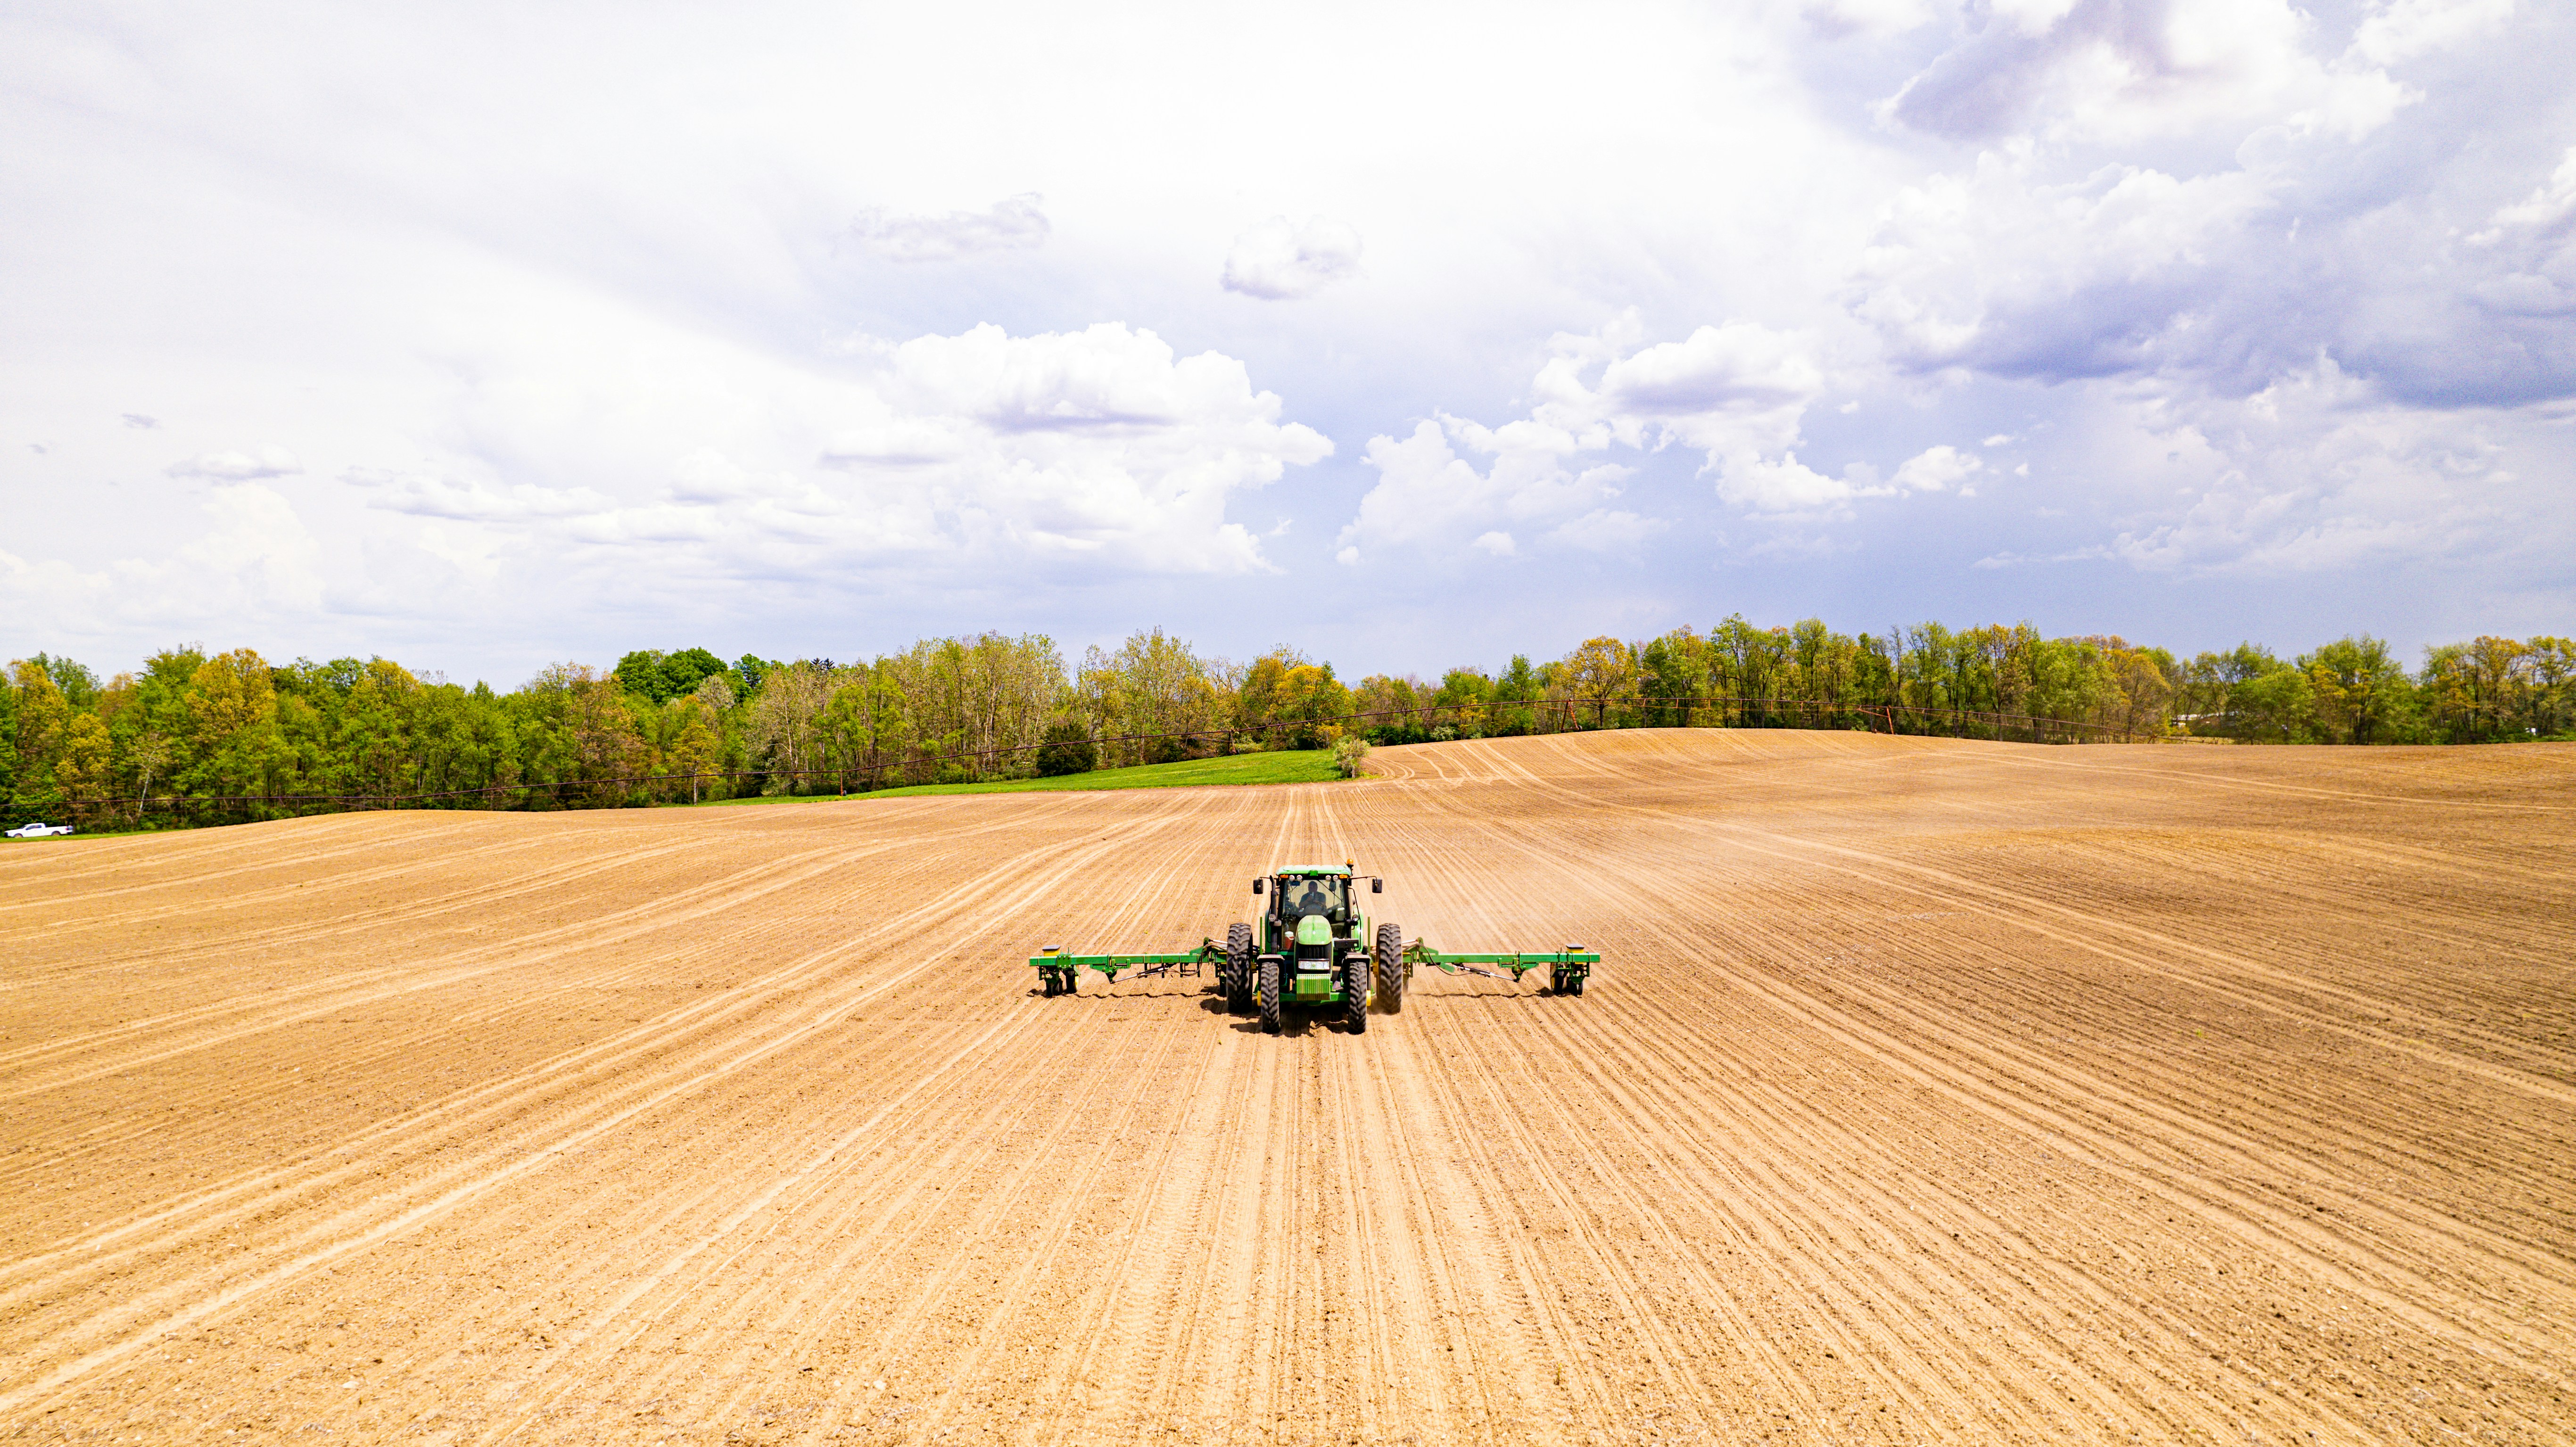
[[1929, 1091]]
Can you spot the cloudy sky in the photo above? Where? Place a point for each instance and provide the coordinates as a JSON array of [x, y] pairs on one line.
[[1416, 335]]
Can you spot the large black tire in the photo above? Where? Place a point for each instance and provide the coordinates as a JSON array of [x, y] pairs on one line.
[[1073, 980], [1578, 984], [1265, 995], [1355, 991], [1238, 968], [1049, 977], [1390, 968]]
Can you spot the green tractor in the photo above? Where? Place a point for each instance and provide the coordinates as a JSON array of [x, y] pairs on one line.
[[1314, 949]]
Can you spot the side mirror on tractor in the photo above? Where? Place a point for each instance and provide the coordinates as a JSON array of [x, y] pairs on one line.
[[1377, 886], [1259, 884]]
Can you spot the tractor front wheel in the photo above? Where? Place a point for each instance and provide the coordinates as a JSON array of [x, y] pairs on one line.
[[1355, 991], [1238, 968], [1049, 977], [1266, 995], [1390, 968], [1073, 980]]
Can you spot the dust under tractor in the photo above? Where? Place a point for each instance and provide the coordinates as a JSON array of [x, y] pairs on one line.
[[1314, 950]]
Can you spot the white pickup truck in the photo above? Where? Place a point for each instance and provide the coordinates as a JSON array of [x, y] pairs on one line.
[[38, 830]]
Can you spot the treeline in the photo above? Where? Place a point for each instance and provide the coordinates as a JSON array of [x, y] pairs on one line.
[[193, 737]]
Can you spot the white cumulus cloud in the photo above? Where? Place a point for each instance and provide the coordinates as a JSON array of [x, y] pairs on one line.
[[1100, 446], [2085, 71], [1734, 392], [1935, 469]]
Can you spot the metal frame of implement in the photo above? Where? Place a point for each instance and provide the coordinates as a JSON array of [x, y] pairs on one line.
[[1567, 968], [1059, 970]]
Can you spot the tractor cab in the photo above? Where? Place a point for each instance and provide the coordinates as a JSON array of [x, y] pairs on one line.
[[1300, 895], [1310, 892]]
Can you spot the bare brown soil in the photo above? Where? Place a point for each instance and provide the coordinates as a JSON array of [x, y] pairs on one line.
[[1929, 1092]]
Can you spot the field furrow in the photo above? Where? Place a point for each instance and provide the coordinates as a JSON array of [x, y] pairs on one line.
[[1929, 1091]]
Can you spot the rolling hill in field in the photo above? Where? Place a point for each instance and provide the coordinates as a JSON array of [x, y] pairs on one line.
[[1928, 1091]]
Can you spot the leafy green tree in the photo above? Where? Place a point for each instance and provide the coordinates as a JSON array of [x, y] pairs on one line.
[[8, 748], [373, 744], [868, 728], [640, 672], [1394, 710], [1598, 670], [683, 671], [1673, 672], [43, 719], [235, 746], [786, 721], [1259, 699], [85, 769], [149, 755], [1155, 687], [77, 684], [1459, 705], [2550, 703], [1307, 701], [1512, 703], [2360, 693], [1068, 750], [2278, 707], [695, 745]]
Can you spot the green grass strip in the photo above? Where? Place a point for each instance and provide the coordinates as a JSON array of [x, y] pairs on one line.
[[1284, 766]]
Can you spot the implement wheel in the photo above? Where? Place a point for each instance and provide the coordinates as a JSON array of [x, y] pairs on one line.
[[1265, 995], [1390, 968], [1238, 968], [1355, 992]]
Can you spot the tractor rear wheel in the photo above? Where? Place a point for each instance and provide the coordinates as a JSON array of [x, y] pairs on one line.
[[1265, 995], [1072, 979], [1355, 991], [1390, 968], [1238, 968]]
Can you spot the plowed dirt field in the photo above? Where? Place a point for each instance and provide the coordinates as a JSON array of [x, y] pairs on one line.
[[1928, 1092]]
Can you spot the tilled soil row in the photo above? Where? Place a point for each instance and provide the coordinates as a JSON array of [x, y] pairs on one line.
[[1928, 1091]]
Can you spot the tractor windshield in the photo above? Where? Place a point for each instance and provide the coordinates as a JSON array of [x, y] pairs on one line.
[[1311, 896]]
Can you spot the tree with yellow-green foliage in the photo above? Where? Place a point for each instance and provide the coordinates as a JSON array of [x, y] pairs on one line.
[[1597, 671], [231, 736], [43, 719], [83, 771], [693, 744], [1306, 705]]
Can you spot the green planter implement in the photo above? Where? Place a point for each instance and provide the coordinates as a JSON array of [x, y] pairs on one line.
[[1314, 948]]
